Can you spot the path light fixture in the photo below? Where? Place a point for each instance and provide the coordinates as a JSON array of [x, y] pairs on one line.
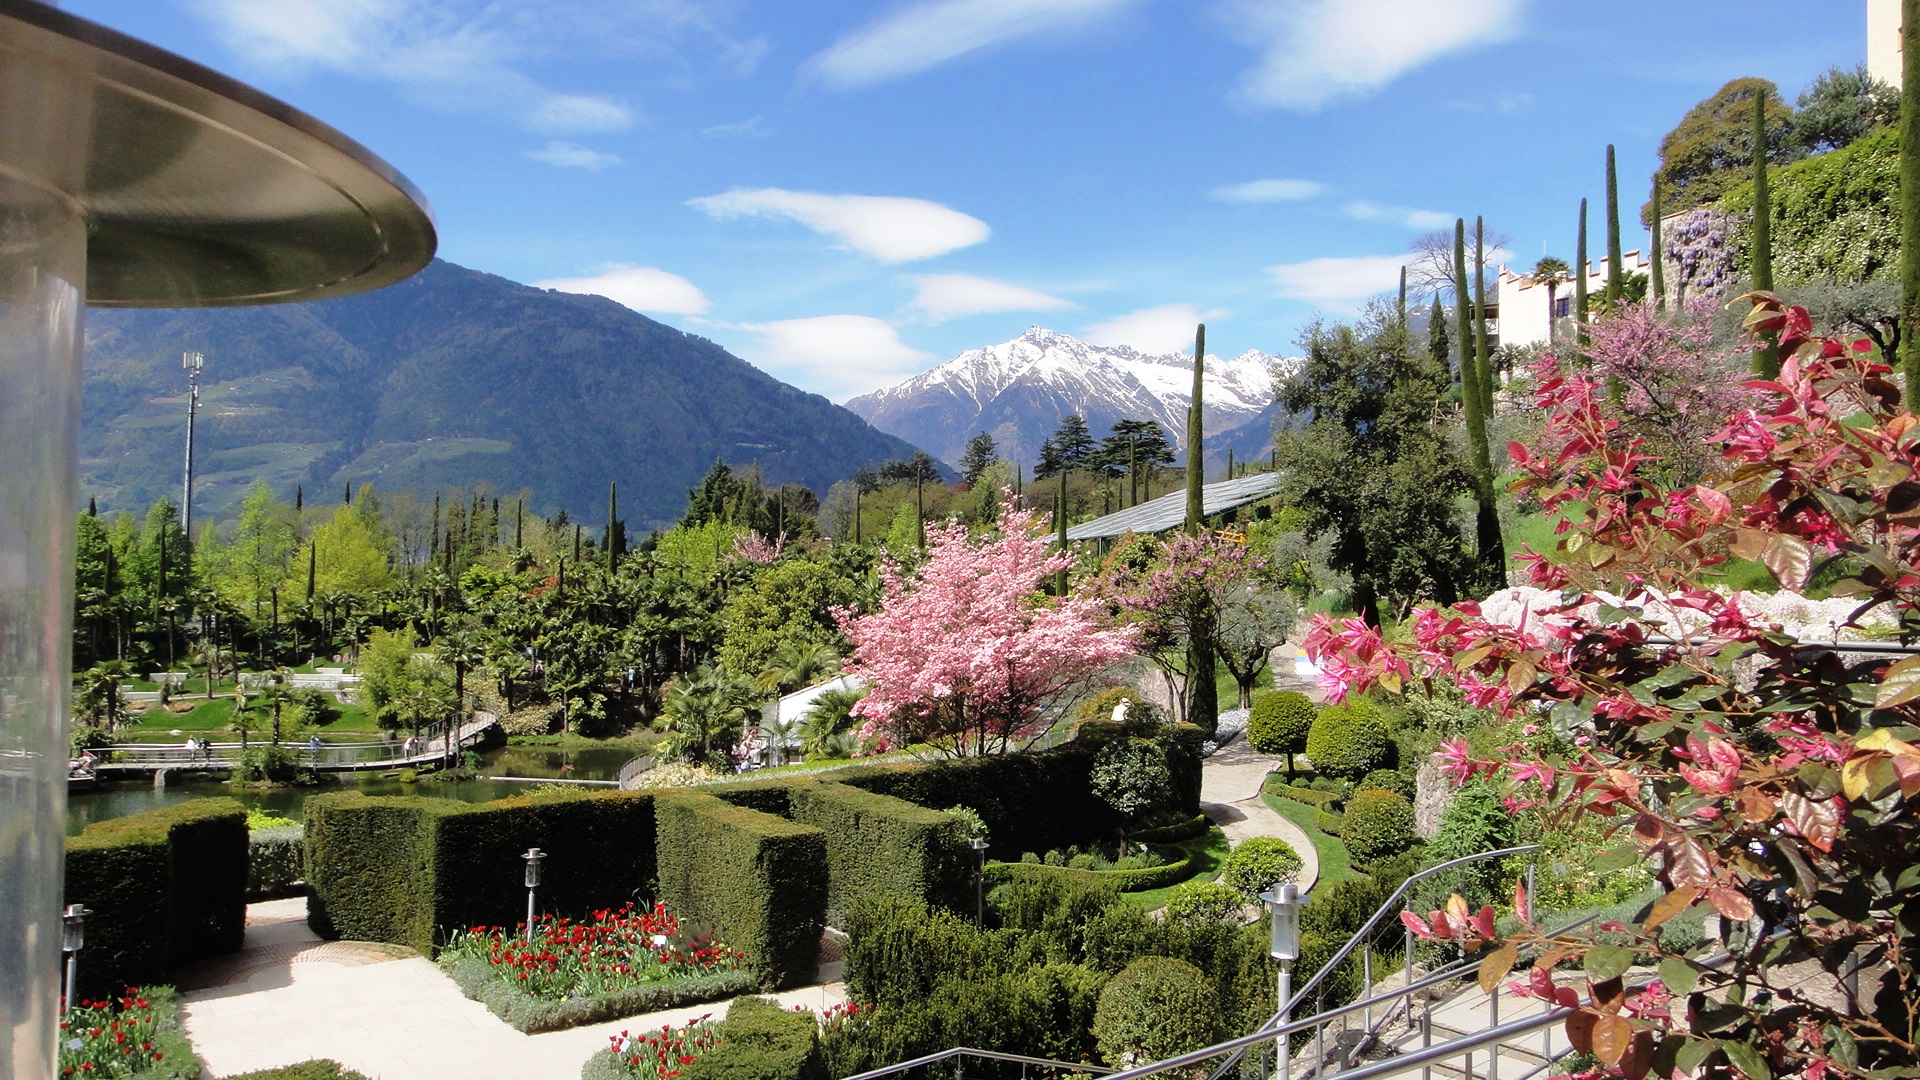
[[979, 846], [73, 937], [534, 857], [1283, 910]]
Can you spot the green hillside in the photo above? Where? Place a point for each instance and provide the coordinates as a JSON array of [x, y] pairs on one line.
[[451, 377]]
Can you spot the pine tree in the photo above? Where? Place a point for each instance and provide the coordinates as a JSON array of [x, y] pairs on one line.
[[980, 453], [1766, 358], [1071, 446]]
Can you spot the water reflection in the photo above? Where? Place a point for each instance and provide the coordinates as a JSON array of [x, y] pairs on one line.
[[591, 763]]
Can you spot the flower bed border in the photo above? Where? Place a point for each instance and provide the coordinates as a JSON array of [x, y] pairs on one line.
[[1178, 869], [531, 1015]]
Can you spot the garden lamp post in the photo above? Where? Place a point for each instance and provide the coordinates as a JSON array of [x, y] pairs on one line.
[[73, 936], [129, 177], [534, 857], [979, 846], [1283, 908]]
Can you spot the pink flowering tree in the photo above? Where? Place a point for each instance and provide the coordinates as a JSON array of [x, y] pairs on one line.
[[966, 654], [1677, 384], [1173, 587], [1772, 783]]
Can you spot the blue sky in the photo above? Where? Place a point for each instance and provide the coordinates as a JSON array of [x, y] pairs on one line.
[[846, 192]]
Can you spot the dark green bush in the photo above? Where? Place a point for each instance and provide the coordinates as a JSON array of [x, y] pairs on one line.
[[898, 949], [1311, 796], [317, 1069], [759, 1040], [526, 1013], [1336, 788], [1187, 829], [1132, 776], [1329, 822], [268, 763], [1155, 1008], [1379, 824], [1475, 820], [1258, 864], [1203, 900], [1393, 780], [1280, 722], [274, 862], [752, 878], [1349, 741], [166, 888]]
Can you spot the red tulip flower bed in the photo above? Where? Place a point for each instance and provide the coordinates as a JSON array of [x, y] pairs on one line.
[[617, 963], [660, 1055], [124, 1036]]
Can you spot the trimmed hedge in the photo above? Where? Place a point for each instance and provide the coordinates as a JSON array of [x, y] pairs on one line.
[[1033, 801], [1179, 868], [1280, 721], [404, 868], [1330, 823], [1172, 834], [531, 1015], [1379, 824], [1311, 796], [759, 1040], [1393, 780], [166, 888], [1349, 741], [749, 877], [274, 859]]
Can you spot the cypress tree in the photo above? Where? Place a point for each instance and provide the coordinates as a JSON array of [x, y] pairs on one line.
[[433, 536], [1616, 273], [1437, 344], [1402, 309], [1766, 358], [1580, 279], [1229, 462], [1463, 332], [93, 508], [347, 496], [576, 543], [1205, 695], [519, 516], [613, 524], [312, 562], [1482, 357], [1659, 281], [1196, 512], [1909, 358], [856, 513], [298, 498]]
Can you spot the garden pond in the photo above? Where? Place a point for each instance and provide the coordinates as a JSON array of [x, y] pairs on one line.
[[112, 800]]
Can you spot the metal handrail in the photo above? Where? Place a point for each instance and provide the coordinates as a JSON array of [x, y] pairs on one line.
[[1385, 906], [993, 1055]]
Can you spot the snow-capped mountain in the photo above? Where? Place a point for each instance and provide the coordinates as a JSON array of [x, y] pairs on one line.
[[1020, 390]]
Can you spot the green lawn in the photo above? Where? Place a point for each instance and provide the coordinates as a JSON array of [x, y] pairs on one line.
[[1335, 866], [1207, 851], [214, 719]]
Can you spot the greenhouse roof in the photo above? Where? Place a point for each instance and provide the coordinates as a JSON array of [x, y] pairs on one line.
[[1170, 511]]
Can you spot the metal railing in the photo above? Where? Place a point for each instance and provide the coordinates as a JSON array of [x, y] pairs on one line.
[[429, 745], [961, 1053]]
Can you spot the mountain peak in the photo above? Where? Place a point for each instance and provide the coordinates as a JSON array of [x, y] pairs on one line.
[[1020, 390]]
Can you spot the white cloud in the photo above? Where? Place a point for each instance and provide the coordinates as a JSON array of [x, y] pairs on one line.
[[458, 55], [1362, 210], [948, 296], [1266, 191], [889, 229], [836, 355], [933, 32], [568, 155], [1340, 283], [1317, 51], [642, 288], [1156, 331], [751, 128]]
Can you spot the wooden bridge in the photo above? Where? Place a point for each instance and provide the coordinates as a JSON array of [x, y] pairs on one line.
[[431, 749]]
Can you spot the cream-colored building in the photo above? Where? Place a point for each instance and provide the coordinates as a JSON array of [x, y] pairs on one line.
[[1883, 40], [1526, 308]]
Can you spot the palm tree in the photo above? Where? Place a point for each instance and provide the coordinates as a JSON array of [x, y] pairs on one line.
[[1548, 271], [100, 692], [274, 694], [827, 728], [707, 712], [795, 663], [207, 650], [427, 693], [460, 649]]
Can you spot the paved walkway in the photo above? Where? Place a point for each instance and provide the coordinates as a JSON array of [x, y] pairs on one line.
[[1230, 783], [381, 1009]]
